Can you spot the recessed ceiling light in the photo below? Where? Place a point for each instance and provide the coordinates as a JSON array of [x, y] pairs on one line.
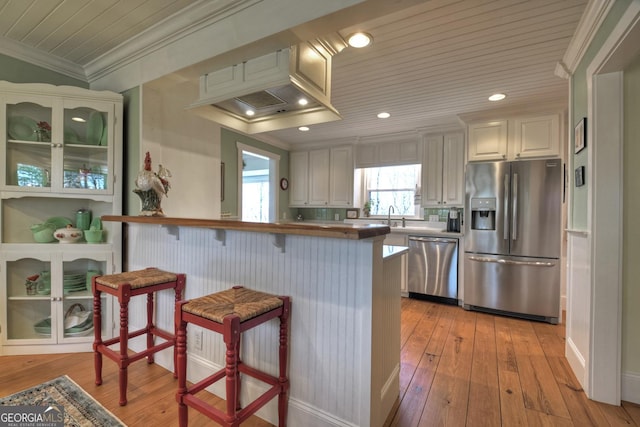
[[303, 128], [250, 112], [359, 40], [384, 115], [78, 119], [303, 101], [497, 97]]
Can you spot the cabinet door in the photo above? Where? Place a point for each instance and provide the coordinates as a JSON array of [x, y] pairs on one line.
[[488, 140], [341, 177], [537, 136], [432, 171], [299, 182], [319, 177], [86, 163], [26, 303], [453, 170]]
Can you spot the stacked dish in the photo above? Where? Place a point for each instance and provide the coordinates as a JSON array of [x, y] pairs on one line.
[[77, 322], [74, 282]]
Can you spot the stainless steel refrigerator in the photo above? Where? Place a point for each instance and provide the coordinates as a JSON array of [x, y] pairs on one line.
[[513, 238]]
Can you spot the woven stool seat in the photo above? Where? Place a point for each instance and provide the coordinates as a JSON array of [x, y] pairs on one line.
[[243, 302], [137, 279]]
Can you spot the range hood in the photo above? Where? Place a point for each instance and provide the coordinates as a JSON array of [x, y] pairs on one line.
[[271, 86]]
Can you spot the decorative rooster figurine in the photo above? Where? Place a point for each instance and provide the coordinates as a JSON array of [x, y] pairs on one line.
[[151, 186]]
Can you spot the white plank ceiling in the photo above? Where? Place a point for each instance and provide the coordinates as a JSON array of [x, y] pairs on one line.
[[428, 64]]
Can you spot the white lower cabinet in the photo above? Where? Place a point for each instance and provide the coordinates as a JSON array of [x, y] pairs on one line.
[[54, 312]]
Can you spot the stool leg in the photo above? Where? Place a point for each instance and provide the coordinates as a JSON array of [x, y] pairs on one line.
[[97, 332], [283, 397], [180, 283], [124, 297], [231, 337], [238, 382], [181, 364], [150, 337]]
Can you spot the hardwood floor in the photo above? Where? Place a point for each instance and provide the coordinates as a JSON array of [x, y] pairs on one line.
[[459, 368], [462, 368]]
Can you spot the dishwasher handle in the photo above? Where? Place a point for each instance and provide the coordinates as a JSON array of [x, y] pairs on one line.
[[431, 239]]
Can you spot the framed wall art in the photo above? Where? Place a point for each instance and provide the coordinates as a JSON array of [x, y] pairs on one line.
[[580, 135]]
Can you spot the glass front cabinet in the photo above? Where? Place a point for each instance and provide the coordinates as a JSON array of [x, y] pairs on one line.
[[62, 150]]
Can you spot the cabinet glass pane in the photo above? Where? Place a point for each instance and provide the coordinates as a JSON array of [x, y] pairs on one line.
[[28, 299], [85, 149], [28, 154], [78, 298]]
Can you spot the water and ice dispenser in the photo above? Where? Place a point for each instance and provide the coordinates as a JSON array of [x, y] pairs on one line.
[[483, 213]]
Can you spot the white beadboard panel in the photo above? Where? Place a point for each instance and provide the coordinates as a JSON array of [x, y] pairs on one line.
[[578, 304], [331, 285]]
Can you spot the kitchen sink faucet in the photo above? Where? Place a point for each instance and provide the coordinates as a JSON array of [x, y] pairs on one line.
[[391, 209]]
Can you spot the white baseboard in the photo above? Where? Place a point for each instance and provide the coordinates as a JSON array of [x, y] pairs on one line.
[[631, 387], [577, 363]]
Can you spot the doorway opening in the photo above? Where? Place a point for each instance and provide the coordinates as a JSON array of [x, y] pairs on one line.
[[257, 192]]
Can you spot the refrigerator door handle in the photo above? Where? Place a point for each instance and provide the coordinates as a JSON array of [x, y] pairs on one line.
[[514, 206], [506, 207], [511, 262]]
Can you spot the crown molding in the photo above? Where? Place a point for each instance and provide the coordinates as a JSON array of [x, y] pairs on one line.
[[595, 12], [36, 57], [188, 21]]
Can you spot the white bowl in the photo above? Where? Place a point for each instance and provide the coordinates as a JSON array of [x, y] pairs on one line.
[[68, 234]]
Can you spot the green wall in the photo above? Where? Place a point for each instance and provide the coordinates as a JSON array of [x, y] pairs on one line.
[[131, 150], [17, 71], [579, 105], [229, 156]]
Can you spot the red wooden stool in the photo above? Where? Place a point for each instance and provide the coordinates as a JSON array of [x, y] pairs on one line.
[[124, 286], [230, 313]]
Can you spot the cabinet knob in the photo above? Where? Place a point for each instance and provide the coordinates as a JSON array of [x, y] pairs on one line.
[[444, 203]]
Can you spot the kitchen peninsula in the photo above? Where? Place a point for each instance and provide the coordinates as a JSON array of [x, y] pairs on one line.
[[345, 323]]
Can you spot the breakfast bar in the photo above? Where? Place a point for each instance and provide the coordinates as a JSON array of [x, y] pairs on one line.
[[344, 285]]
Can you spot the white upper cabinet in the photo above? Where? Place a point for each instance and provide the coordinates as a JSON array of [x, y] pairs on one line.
[[299, 181], [443, 170], [515, 138], [322, 177], [488, 140], [319, 177], [341, 177], [537, 136]]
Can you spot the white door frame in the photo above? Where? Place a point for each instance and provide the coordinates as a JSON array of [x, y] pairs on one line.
[[605, 83]]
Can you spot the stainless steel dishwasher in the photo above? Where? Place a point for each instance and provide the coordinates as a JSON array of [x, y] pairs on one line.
[[433, 268]]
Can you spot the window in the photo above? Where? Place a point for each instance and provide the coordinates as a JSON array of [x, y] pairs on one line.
[[392, 186]]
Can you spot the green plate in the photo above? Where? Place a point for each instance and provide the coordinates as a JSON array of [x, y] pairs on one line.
[[95, 126], [23, 128]]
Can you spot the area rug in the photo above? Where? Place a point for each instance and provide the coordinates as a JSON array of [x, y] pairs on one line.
[[80, 409]]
